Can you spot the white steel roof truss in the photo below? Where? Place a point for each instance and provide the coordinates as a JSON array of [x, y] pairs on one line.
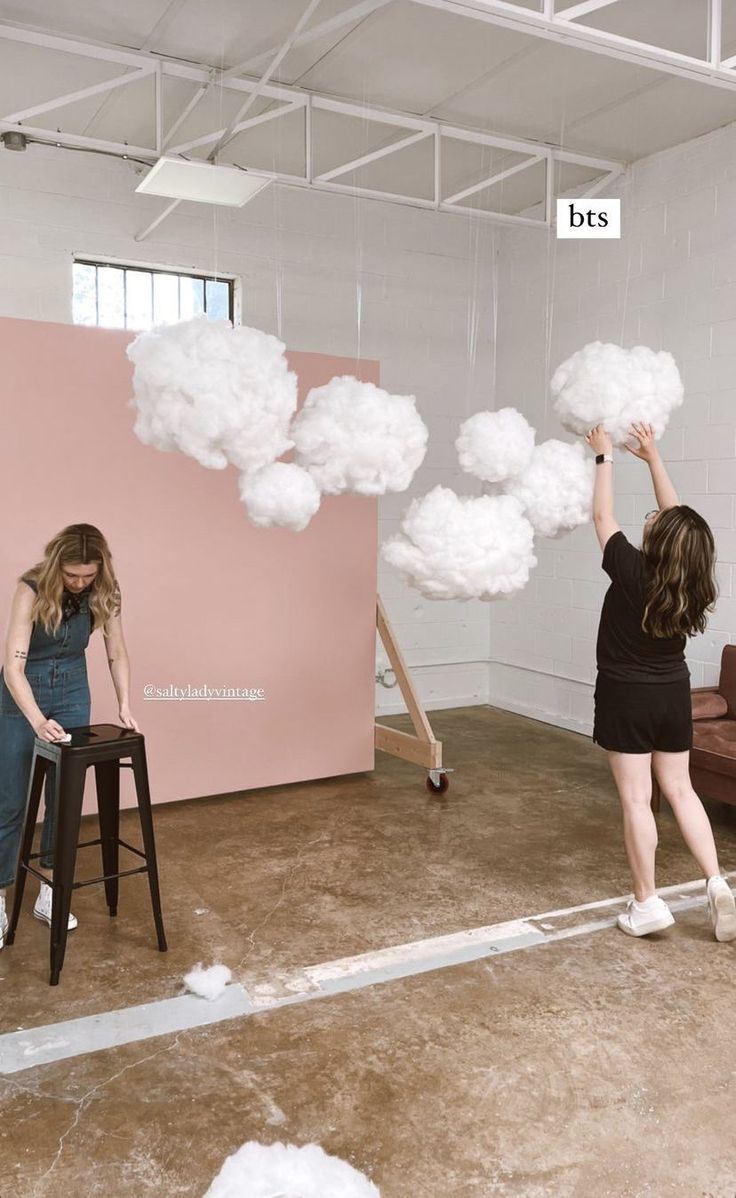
[[290, 99]]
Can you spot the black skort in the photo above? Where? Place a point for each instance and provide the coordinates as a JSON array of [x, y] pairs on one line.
[[643, 717]]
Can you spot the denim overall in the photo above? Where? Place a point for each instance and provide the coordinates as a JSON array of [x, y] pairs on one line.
[[56, 670]]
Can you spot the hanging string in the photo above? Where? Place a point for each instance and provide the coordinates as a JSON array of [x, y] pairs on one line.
[[220, 123], [358, 239], [494, 317], [472, 313], [624, 307], [551, 272]]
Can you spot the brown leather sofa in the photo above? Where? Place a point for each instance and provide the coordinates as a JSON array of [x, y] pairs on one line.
[[713, 755]]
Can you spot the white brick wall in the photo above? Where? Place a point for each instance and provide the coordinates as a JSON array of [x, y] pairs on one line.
[[425, 293], [669, 283]]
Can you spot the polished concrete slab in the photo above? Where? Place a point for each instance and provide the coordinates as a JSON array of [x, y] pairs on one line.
[[588, 1065]]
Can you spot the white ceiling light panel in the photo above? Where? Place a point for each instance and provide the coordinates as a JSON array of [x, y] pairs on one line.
[[202, 182]]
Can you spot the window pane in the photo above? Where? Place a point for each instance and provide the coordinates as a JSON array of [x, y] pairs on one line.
[[84, 294], [218, 300], [165, 299], [191, 293], [139, 305], [110, 297]]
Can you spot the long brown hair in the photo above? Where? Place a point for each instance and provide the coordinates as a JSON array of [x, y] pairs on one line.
[[680, 555], [77, 544]]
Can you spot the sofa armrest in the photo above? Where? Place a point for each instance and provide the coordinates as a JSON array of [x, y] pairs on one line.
[[708, 703]]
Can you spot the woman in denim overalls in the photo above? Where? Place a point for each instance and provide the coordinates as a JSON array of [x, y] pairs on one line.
[[43, 683]]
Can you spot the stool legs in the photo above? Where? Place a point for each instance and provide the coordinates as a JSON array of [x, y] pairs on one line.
[[107, 779], [68, 801], [140, 773], [39, 766]]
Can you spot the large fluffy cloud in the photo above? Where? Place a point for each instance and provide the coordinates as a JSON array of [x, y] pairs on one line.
[[460, 547], [281, 494], [353, 436], [217, 393], [556, 489], [287, 1171], [495, 446], [605, 384]]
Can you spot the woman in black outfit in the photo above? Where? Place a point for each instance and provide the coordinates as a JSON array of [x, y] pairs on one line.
[[659, 596]]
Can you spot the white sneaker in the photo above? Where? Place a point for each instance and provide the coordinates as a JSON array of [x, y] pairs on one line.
[[641, 923], [42, 909], [722, 908], [3, 921]]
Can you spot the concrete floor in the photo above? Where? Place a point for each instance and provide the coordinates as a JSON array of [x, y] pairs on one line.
[[591, 1067]]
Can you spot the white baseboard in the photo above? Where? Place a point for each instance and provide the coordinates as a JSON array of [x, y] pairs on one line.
[[584, 727], [399, 707]]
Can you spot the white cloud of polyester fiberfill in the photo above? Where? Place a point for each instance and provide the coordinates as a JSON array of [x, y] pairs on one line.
[[282, 494], [606, 384], [461, 547], [216, 393], [495, 446], [354, 436], [556, 489]]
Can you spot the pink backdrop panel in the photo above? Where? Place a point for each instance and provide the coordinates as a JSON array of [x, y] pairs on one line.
[[208, 598]]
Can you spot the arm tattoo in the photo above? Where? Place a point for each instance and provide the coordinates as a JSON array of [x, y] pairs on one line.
[[21, 653]]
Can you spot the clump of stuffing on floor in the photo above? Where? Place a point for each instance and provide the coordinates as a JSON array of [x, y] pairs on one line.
[[288, 1171], [208, 982]]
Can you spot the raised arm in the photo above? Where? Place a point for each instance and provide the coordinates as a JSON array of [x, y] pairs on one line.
[[648, 451], [604, 519]]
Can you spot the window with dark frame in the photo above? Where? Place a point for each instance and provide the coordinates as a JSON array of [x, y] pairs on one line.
[[113, 295]]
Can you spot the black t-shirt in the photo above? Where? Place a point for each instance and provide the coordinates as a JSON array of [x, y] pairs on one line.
[[624, 651]]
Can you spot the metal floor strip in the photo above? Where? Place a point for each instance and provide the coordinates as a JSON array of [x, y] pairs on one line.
[[31, 1047]]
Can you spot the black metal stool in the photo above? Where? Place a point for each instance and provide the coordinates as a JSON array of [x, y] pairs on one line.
[[100, 745]]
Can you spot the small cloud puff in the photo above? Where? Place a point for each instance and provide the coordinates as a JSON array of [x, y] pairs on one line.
[[460, 547], [556, 489], [606, 384], [495, 446], [282, 494], [353, 436]]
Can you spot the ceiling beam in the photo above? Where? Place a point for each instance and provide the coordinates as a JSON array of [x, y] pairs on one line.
[[83, 93], [263, 117], [586, 37], [492, 180], [402, 144], [357, 13], [582, 10], [353, 15], [263, 81], [415, 128]]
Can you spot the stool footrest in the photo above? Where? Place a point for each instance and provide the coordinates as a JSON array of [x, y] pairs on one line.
[[86, 844], [124, 873], [131, 849], [30, 870]]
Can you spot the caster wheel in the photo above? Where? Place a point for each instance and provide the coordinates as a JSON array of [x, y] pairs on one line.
[[438, 787]]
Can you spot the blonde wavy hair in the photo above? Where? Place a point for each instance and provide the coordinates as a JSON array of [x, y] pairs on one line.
[[680, 555], [75, 545]]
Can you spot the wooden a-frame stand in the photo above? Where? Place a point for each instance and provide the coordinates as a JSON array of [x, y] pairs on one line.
[[422, 749]]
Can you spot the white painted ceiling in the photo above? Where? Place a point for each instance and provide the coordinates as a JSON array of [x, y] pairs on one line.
[[403, 56]]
